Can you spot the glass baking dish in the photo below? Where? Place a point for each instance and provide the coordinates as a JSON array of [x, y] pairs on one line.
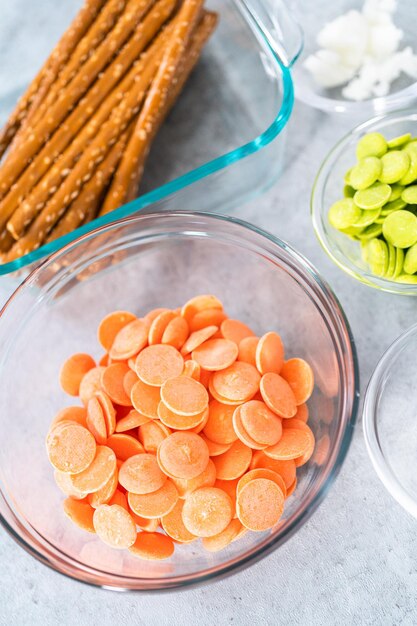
[[223, 141]]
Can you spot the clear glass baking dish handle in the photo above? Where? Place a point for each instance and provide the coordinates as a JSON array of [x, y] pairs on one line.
[[277, 24]]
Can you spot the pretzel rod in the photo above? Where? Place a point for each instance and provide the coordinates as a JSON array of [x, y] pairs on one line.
[[6, 242], [49, 71], [84, 208], [19, 158], [85, 48], [26, 210], [199, 38], [189, 14], [84, 168]]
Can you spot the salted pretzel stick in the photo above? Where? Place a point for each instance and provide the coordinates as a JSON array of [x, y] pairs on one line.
[[84, 169], [49, 71], [189, 14], [6, 241], [86, 47], [75, 134], [199, 38], [85, 207], [19, 158]]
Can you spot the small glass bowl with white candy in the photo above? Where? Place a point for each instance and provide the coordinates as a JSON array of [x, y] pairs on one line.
[[359, 57]]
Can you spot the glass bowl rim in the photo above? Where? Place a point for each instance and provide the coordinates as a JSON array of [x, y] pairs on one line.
[[370, 424], [65, 565], [316, 205]]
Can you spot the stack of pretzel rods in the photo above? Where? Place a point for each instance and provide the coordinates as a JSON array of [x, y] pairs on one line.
[[76, 144]]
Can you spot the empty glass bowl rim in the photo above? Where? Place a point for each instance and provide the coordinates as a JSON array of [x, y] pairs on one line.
[[68, 565], [370, 423], [281, 68], [319, 211]]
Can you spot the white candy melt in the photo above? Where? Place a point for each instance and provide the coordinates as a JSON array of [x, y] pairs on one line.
[[359, 49]]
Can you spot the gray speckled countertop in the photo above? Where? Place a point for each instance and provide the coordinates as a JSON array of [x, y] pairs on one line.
[[354, 561]]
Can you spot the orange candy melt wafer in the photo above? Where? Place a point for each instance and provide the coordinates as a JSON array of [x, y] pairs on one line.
[[222, 540], [260, 422], [200, 303], [261, 473], [71, 448], [132, 420], [197, 338], [269, 354], [152, 546], [106, 493], [145, 399], [242, 433], [286, 469], [179, 422], [111, 325], [141, 474], [158, 326], [124, 446], [300, 378], [247, 350], [233, 463], [302, 413], [152, 434], [192, 369], [129, 381], [155, 504], [237, 383], [73, 371], [293, 443], [129, 340], [207, 478], [207, 512], [219, 427], [258, 517], [109, 411], [95, 421], [216, 354], [183, 455], [112, 383], [174, 526], [278, 395], [235, 330], [81, 513], [157, 363], [114, 526], [184, 396], [91, 384], [63, 480], [207, 317], [176, 333], [73, 414], [215, 448], [98, 473]]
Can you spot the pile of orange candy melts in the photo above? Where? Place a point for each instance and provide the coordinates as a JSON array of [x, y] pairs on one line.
[[190, 427]]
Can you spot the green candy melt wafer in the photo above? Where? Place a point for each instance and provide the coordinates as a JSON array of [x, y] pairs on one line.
[[365, 173], [374, 230], [409, 195], [407, 278], [344, 213], [372, 198], [410, 260], [377, 256], [399, 261], [411, 175], [371, 144], [395, 205], [348, 191], [398, 142], [367, 218], [400, 229], [396, 191], [391, 261], [395, 165]]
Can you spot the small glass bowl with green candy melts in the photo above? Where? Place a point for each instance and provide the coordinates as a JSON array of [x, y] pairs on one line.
[[377, 256], [371, 144], [372, 198], [400, 229], [344, 213], [395, 165], [365, 173]]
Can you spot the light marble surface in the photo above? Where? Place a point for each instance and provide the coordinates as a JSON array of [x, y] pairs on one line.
[[354, 561]]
